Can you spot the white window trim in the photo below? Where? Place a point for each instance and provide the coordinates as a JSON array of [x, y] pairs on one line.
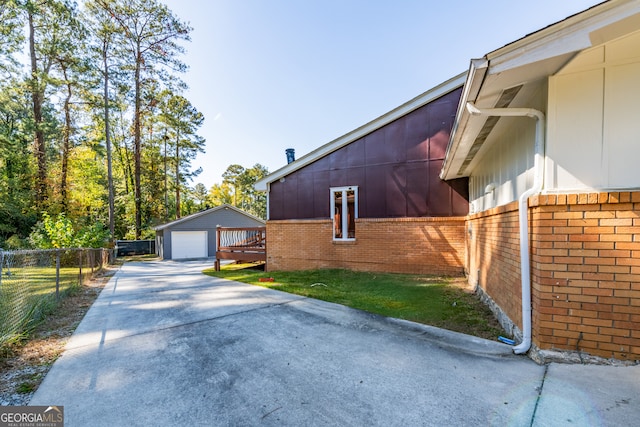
[[345, 223]]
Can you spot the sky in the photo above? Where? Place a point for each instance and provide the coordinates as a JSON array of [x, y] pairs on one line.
[[275, 74]]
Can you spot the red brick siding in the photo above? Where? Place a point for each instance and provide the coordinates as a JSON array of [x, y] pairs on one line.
[[585, 253], [494, 257], [402, 245], [586, 272]]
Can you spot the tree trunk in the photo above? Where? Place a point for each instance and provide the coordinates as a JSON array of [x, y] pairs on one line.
[[124, 154], [107, 137], [136, 143], [39, 149], [66, 142], [166, 179], [177, 176]]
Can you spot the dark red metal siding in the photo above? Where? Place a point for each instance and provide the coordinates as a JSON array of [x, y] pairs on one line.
[[370, 195], [395, 168], [417, 175]]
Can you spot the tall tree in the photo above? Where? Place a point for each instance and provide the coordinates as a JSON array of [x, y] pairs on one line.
[[86, 192], [244, 195], [256, 200], [16, 211], [57, 116], [151, 34], [105, 53], [182, 121], [72, 67], [200, 194], [220, 194], [11, 35], [233, 177], [154, 174], [16, 214], [50, 26]]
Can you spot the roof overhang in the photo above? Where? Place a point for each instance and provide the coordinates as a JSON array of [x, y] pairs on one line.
[[193, 216], [336, 144], [511, 75]]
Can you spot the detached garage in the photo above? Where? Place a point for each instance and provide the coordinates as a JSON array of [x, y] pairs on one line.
[[194, 236]]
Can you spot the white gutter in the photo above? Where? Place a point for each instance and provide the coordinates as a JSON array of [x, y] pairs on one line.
[[523, 208], [475, 77]]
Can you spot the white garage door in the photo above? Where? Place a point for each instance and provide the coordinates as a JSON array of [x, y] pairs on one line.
[[189, 244]]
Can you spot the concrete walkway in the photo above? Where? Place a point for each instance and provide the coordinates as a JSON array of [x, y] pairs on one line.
[[166, 345]]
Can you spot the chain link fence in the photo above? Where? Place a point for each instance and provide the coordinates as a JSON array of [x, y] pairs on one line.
[[32, 280]]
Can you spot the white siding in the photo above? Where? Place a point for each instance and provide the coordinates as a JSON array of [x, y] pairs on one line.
[[594, 120], [622, 125], [506, 162], [574, 147]]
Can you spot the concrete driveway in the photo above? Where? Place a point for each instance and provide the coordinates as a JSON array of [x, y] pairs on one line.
[[166, 345]]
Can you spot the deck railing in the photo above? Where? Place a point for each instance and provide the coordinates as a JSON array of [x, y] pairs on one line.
[[241, 244]]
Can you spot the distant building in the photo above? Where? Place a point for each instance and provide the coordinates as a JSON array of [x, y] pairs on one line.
[[194, 236]]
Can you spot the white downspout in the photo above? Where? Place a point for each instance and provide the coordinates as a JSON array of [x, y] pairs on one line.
[[523, 209]]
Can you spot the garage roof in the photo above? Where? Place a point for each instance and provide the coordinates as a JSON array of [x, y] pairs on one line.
[[206, 212]]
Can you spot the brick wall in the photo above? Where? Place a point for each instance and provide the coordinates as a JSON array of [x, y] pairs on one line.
[[586, 273], [585, 253], [402, 245], [494, 258]]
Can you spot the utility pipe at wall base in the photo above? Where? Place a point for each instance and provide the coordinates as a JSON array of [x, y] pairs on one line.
[[523, 208]]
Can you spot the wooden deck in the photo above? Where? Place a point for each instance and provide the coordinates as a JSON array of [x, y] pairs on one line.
[[241, 244]]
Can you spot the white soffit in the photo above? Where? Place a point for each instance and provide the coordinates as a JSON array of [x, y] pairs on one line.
[[528, 62]]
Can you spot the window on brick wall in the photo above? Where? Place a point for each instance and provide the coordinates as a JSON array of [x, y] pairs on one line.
[[344, 205]]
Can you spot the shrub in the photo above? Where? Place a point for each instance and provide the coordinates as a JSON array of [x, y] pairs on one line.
[[53, 233]]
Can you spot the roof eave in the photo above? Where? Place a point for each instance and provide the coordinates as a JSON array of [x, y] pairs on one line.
[[204, 212], [417, 102], [472, 85], [548, 49]]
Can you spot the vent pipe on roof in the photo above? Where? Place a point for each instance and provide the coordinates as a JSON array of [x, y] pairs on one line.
[[523, 208], [291, 155]]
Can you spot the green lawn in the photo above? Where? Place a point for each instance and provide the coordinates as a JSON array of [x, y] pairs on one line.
[[438, 301], [40, 280], [27, 294]]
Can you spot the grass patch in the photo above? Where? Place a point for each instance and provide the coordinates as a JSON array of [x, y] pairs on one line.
[[438, 301], [28, 295], [41, 280], [30, 385]]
